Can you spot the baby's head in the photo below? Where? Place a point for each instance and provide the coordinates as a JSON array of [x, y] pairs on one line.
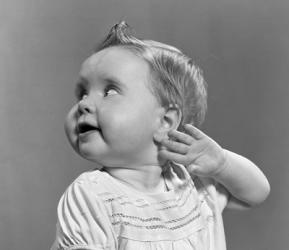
[[175, 79], [130, 90]]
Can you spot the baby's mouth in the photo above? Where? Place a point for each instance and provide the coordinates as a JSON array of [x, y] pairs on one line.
[[83, 128]]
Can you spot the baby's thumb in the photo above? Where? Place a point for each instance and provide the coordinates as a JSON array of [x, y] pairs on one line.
[[192, 168]]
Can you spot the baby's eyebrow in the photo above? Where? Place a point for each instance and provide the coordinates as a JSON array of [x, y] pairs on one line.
[[113, 80]]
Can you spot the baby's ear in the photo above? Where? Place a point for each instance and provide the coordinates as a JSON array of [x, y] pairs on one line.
[[170, 121]]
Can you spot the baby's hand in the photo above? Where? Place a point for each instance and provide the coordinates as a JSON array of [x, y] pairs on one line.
[[199, 153]]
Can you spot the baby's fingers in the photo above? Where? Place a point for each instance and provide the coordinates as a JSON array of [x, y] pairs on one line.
[[176, 147], [194, 132], [181, 137]]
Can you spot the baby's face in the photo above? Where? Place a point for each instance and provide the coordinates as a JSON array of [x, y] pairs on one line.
[[116, 115]]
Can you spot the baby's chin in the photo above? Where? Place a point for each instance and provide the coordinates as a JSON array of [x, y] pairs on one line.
[[108, 159], [90, 155]]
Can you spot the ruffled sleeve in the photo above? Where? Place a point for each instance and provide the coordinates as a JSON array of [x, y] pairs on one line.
[[83, 222]]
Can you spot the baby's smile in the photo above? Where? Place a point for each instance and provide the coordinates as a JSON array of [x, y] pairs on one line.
[[85, 129]]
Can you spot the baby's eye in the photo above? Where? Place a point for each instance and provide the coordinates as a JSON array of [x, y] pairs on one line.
[[111, 90]]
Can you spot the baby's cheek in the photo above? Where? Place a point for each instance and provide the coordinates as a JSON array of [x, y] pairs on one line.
[[115, 122], [122, 127], [70, 125]]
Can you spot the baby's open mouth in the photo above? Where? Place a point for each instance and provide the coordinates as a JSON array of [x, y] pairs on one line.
[[85, 127]]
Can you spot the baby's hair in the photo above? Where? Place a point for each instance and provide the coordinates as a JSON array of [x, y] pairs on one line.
[[176, 80]]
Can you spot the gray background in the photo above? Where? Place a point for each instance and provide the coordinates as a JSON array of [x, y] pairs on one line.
[[243, 48]]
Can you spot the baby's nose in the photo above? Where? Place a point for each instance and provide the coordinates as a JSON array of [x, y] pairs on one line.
[[84, 106]]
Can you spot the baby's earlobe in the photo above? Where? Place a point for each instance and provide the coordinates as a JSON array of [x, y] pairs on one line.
[[158, 137]]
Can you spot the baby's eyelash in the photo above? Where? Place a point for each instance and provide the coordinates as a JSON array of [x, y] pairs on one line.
[[111, 87]]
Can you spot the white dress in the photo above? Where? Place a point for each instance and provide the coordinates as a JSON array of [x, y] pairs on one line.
[[99, 212]]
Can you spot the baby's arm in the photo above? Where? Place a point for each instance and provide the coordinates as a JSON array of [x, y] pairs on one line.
[[244, 180], [204, 157]]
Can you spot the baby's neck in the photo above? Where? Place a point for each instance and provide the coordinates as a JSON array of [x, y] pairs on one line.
[[145, 178]]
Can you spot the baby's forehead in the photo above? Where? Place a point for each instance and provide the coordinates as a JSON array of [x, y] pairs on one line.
[[112, 56], [114, 61]]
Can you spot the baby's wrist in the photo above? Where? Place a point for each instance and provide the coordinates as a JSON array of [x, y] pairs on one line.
[[222, 166]]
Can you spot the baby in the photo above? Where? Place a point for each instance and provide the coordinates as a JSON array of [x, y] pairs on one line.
[[162, 183]]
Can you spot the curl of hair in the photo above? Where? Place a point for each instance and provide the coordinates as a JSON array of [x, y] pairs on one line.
[[176, 80]]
